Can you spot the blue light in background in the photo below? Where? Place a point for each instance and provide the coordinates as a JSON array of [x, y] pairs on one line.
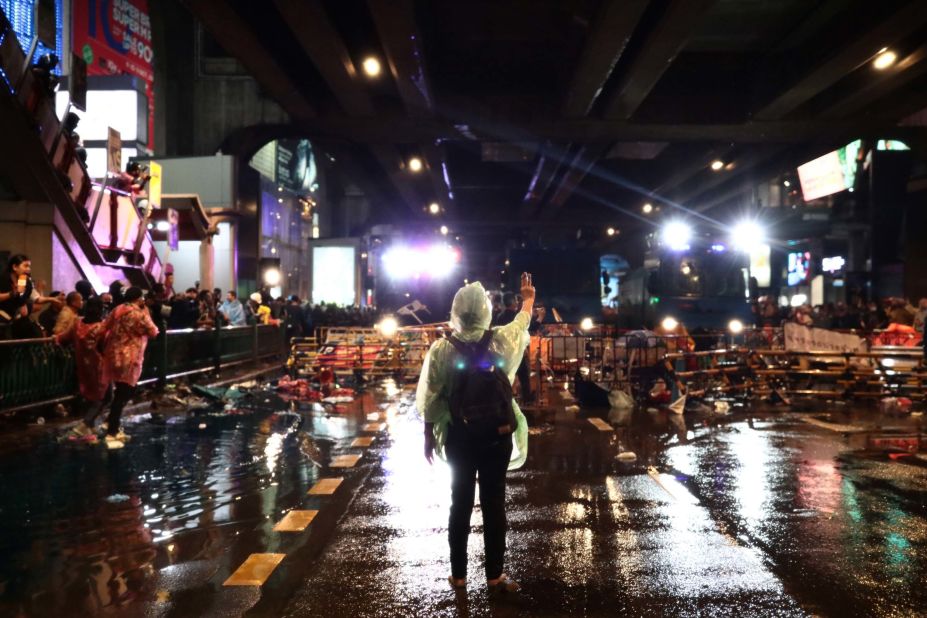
[[21, 14]]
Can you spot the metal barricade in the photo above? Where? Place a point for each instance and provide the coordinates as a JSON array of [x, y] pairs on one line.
[[364, 352], [38, 371]]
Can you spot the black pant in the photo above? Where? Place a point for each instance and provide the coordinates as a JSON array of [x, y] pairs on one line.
[[524, 379], [92, 409], [490, 462], [121, 397]]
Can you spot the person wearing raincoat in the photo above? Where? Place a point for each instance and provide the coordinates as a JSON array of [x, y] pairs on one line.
[[471, 313]]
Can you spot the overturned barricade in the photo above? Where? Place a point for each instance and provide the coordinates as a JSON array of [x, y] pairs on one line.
[[777, 364]]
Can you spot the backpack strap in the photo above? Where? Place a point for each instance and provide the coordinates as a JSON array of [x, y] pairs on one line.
[[472, 351], [460, 346]]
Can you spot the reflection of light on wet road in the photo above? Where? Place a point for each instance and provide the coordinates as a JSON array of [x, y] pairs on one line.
[[753, 454], [272, 451], [417, 497], [391, 389]]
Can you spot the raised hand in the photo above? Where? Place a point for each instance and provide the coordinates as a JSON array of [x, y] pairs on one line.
[[527, 288]]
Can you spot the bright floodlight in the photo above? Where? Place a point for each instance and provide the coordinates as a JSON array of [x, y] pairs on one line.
[[747, 235], [415, 165], [434, 208], [388, 327], [669, 323], [717, 165], [610, 231], [676, 235], [371, 66], [647, 208], [440, 261], [444, 230], [587, 324], [736, 327], [272, 277], [884, 59], [435, 262], [163, 226], [401, 262]]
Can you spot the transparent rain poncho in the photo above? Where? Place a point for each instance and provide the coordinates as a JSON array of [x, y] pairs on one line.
[[471, 314]]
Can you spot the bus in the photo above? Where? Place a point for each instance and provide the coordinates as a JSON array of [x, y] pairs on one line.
[[702, 286]]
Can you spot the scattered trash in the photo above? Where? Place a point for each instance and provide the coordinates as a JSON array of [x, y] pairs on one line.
[[697, 407], [722, 407], [40, 420], [620, 399], [573, 408], [590, 394], [678, 406], [338, 399], [218, 393], [660, 394], [117, 498], [627, 456], [895, 405], [202, 425]]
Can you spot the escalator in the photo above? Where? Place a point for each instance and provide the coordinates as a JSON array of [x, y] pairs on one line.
[[102, 229]]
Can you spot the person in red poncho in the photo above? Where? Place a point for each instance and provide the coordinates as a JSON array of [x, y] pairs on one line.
[[88, 335], [130, 327]]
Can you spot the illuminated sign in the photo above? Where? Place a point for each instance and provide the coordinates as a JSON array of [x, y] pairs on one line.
[[23, 16], [833, 264], [114, 38], [799, 268], [334, 273], [760, 266], [821, 177]]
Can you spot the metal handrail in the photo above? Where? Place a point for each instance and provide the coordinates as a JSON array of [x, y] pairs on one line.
[[38, 371]]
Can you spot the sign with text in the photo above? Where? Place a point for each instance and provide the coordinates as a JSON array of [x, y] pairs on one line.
[[800, 338], [113, 151], [173, 235], [821, 177], [114, 38], [154, 185]]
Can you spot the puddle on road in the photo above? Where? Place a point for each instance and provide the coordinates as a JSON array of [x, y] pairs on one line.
[[85, 530]]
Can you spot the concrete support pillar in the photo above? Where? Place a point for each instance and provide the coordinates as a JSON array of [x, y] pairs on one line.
[[207, 264]]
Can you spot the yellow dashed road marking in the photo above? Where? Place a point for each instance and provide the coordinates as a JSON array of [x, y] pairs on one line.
[[345, 461], [325, 487], [295, 521], [255, 570]]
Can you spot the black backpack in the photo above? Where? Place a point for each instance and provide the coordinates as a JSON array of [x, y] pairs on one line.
[[480, 392]]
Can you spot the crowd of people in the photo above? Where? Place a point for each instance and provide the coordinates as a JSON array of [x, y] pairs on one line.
[[854, 315], [28, 312]]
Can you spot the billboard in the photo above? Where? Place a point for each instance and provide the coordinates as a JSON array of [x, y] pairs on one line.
[[334, 278], [114, 38], [821, 177], [799, 268]]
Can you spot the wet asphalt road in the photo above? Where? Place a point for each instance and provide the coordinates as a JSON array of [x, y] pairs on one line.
[[758, 514]]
